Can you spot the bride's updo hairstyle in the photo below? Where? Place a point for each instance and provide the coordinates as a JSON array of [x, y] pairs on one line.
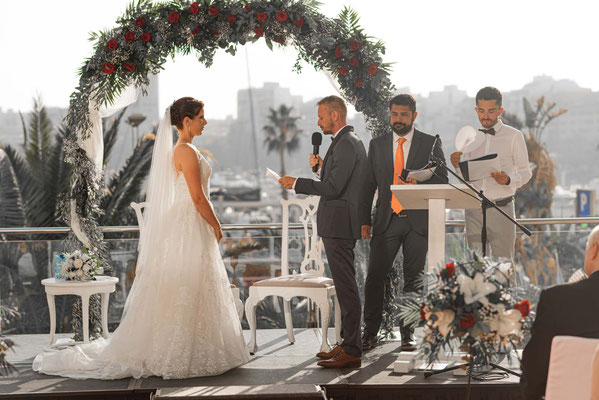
[[184, 107]]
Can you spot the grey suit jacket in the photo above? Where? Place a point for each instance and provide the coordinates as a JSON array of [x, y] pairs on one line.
[[380, 175], [341, 180]]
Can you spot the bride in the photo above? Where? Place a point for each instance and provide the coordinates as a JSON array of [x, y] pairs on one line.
[[180, 319]]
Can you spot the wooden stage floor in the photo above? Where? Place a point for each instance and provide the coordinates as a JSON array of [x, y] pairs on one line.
[[279, 370]]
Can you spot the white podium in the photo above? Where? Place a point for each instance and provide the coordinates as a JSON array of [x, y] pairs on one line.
[[435, 198]]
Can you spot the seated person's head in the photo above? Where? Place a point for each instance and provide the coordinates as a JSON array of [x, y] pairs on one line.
[[591, 256]]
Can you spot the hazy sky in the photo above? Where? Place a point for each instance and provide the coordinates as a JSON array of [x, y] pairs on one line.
[[432, 42]]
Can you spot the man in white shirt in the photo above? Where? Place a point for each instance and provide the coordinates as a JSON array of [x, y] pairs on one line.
[[501, 187]]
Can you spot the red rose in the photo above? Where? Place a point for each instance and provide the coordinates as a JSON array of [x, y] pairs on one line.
[[173, 17], [214, 32], [358, 84], [259, 31], [129, 37], [450, 269], [261, 17], [353, 61], [108, 68], [281, 40], [141, 22], [523, 307], [194, 8], [196, 30], [231, 18], [113, 44], [467, 321], [128, 67], [213, 11], [338, 52], [146, 37], [281, 16], [247, 8], [354, 45], [373, 69], [298, 22], [342, 70]]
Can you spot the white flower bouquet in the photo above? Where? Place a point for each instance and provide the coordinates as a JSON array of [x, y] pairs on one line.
[[79, 266]]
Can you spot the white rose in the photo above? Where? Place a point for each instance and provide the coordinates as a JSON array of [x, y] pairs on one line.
[[78, 264]]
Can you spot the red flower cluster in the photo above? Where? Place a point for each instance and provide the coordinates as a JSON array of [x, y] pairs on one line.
[[353, 61], [373, 69], [282, 39], [129, 37], [259, 31], [358, 84], [450, 267], [173, 17], [214, 32], [342, 70], [129, 67], [523, 307], [247, 7], [261, 17], [213, 11], [467, 321], [194, 8], [338, 52], [354, 45], [146, 37], [140, 21], [231, 18], [196, 30], [422, 313], [281, 16], [112, 44], [298, 22], [108, 68]]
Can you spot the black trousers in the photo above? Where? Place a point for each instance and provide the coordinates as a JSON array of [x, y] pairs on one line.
[[340, 253], [383, 250]]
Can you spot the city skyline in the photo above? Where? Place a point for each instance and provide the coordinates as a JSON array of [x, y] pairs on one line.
[[439, 45]]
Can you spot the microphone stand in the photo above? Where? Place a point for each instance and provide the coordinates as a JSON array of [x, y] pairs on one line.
[[486, 203]]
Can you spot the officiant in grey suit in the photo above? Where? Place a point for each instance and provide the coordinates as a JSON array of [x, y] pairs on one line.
[[393, 226], [342, 174]]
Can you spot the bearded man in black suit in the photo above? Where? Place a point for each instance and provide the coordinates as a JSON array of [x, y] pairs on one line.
[[393, 226]]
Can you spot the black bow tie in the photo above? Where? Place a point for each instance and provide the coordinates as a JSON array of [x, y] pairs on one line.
[[490, 131]]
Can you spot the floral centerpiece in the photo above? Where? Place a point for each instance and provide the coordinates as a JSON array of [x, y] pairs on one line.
[[79, 265], [472, 306]]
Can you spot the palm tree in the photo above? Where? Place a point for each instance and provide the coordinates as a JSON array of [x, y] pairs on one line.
[[282, 134]]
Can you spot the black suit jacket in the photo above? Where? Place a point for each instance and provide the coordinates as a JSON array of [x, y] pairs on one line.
[[341, 179], [380, 175], [569, 309]]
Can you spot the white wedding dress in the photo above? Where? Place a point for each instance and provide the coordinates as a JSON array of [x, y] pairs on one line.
[[180, 319]]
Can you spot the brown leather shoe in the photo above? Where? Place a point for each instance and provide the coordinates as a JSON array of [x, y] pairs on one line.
[[342, 360], [327, 355]]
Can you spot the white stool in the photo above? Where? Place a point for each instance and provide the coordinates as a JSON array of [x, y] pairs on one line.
[[103, 284]]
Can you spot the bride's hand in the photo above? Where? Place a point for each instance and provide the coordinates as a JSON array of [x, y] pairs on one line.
[[218, 232]]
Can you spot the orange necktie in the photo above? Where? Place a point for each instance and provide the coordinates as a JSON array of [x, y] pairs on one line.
[[397, 168]]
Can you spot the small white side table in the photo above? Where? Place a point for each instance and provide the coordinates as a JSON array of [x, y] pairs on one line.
[[103, 285]]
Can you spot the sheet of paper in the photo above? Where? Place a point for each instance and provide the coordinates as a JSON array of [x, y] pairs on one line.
[[272, 174], [480, 168], [421, 175]]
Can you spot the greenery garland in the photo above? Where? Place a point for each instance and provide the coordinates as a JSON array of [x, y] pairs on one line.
[[148, 33]]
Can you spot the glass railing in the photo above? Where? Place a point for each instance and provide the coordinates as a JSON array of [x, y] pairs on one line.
[[251, 253]]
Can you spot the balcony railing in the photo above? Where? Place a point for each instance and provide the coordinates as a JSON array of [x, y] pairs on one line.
[[252, 252]]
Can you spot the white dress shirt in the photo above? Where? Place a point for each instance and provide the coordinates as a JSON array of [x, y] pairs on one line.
[[406, 145], [510, 147]]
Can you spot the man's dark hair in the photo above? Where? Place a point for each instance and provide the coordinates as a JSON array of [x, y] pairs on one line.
[[489, 93], [403, 100]]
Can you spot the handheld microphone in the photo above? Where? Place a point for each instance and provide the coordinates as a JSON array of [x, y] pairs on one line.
[[316, 142]]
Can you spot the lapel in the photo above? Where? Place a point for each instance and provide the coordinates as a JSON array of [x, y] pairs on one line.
[[414, 149], [336, 140], [387, 156]]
